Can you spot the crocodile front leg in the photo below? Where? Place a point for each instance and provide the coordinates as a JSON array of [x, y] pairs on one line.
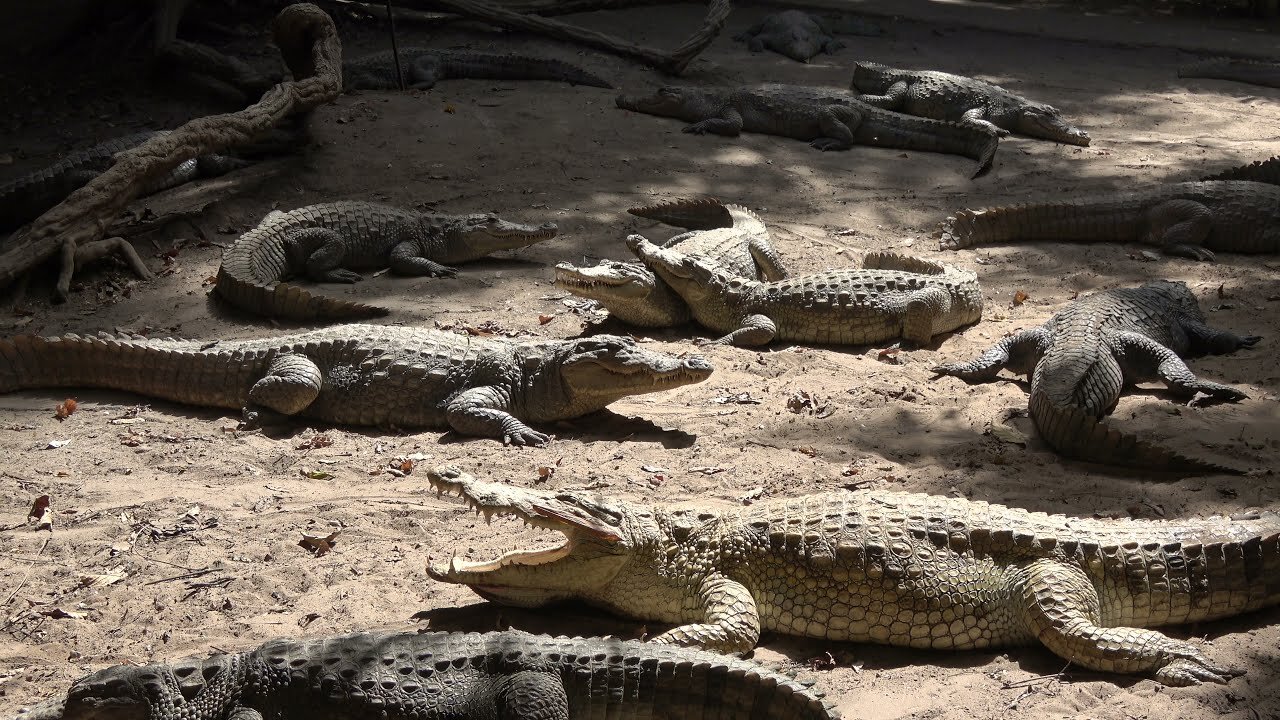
[[1143, 358], [1205, 340], [768, 261], [977, 117], [732, 621], [892, 99], [922, 308], [1180, 227], [424, 72], [406, 259], [755, 330], [1019, 353], [729, 123], [1061, 608], [485, 411], [291, 384]]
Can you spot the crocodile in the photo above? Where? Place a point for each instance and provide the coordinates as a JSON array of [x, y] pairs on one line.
[[1084, 355], [1253, 72], [905, 569], [1191, 219], [891, 297], [793, 33], [324, 241], [1263, 171], [26, 198], [829, 118], [506, 675], [424, 67], [943, 96], [728, 236], [390, 377]]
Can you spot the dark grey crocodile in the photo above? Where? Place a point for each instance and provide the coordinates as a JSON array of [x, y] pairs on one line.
[[905, 569], [1263, 171], [397, 377], [1253, 72], [943, 96], [424, 67], [730, 237], [26, 198], [507, 675], [829, 118], [328, 241], [793, 33], [1084, 355], [892, 297], [1191, 219]]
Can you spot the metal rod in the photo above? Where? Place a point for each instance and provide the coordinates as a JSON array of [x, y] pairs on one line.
[[395, 48]]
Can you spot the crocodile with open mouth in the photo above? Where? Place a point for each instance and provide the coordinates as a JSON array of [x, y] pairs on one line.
[[906, 569]]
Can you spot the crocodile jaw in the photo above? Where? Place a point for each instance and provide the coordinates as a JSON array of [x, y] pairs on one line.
[[605, 282], [591, 555], [476, 236], [1047, 122]]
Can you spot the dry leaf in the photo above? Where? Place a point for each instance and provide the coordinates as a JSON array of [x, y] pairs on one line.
[[319, 544], [825, 661], [449, 108], [42, 512], [59, 613], [405, 466], [55, 444], [544, 319], [315, 442], [101, 580], [545, 472], [65, 408], [889, 355], [1020, 297], [317, 475]]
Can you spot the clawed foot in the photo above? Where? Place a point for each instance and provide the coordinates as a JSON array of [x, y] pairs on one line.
[[826, 144], [342, 275], [1249, 340], [1193, 669], [522, 435], [1195, 252], [445, 271], [698, 128], [1221, 393]]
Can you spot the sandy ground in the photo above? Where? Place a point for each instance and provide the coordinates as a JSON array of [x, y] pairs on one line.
[[174, 535]]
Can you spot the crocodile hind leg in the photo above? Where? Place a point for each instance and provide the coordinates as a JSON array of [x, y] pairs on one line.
[[406, 260], [291, 384], [1019, 353], [755, 330], [424, 72], [837, 124], [1205, 340], [1061, 608], [483, 411], [320, 252], [1180, 227], [1143, 358], [923, 307], [731, 624], [531, 695]]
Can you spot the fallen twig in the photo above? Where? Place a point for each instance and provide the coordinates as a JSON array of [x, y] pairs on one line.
[[74, 229]]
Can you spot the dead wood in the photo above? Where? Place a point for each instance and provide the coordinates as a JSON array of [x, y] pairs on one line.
[[74, 229], [673, 62]]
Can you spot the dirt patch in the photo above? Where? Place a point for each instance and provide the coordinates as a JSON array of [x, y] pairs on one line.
[[173, 535]]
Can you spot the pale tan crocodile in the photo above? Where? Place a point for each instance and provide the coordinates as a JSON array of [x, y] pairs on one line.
[[903, 569]]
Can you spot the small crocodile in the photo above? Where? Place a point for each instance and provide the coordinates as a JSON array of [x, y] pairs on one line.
[[1191, 219], [325, 241], [793, 33], [424, 67], [28, 197], [829, 118], [507, 675], [891, 297], [398, 377], [906, 569], [727, 236], [943, 96], [1084, 355], [1263, 171], [1253, 72]]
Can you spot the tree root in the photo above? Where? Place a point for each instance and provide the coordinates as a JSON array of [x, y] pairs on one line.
[[74, 229]]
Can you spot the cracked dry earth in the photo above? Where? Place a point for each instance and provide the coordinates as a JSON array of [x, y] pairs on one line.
[[175, 535]]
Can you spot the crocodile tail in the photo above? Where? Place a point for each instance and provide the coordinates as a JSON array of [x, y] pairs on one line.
[[249, 279], [902, 263], [1222, 68], [1076, 434], [1263, 171], [986, 156], [705, 213], [1089, 219]]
